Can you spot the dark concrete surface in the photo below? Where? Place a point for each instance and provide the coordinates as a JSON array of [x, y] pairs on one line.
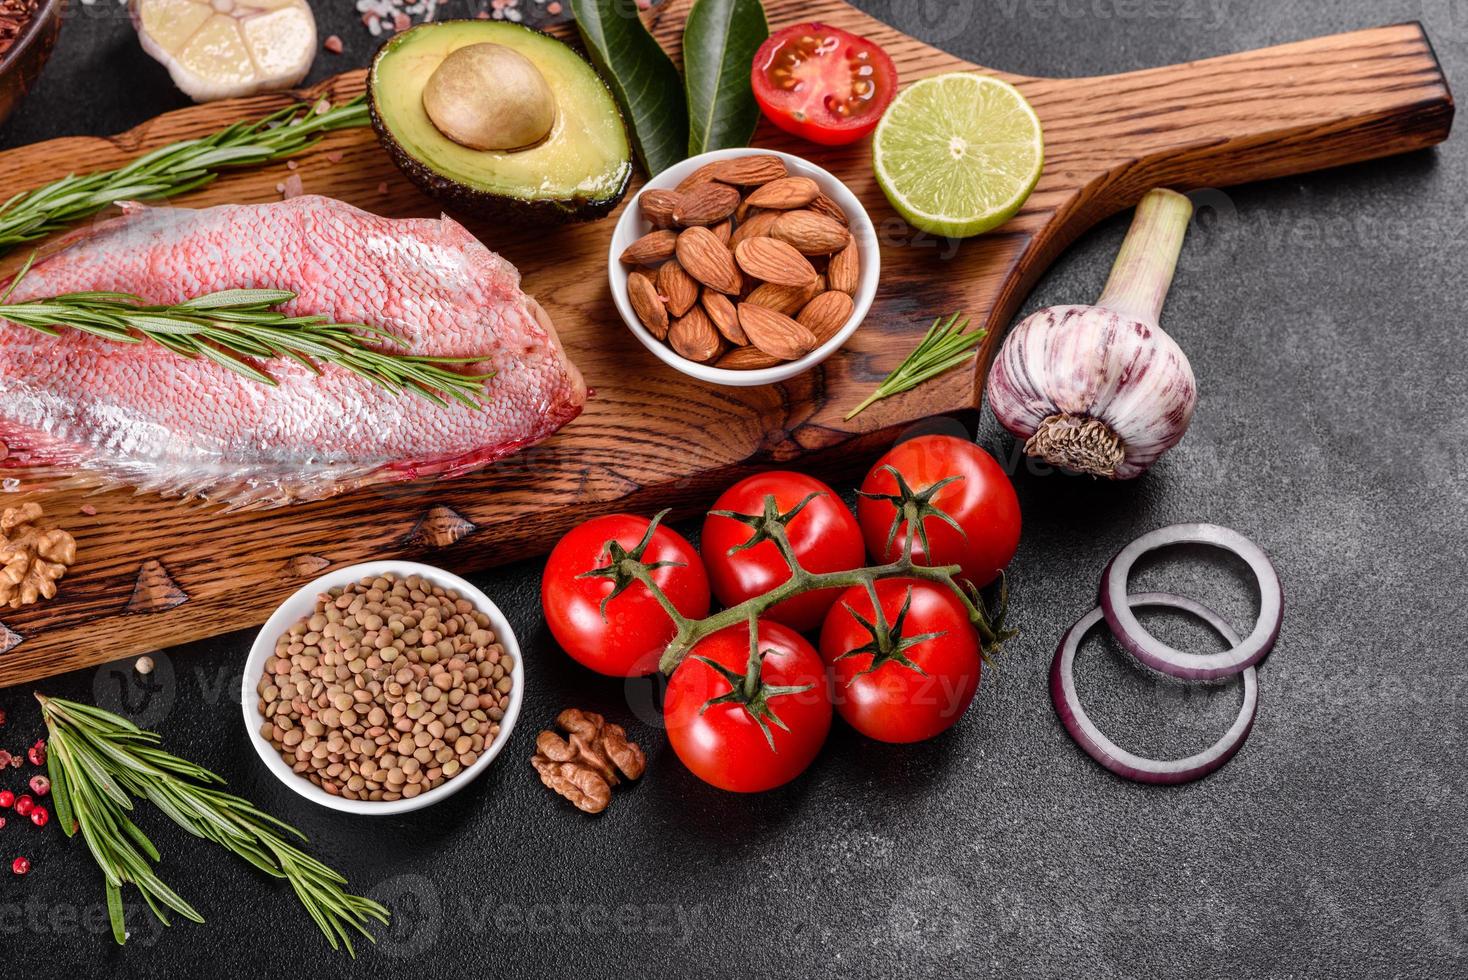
[[1323, 315]]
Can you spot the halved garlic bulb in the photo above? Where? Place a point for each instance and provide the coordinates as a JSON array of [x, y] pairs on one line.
[[217, 49]]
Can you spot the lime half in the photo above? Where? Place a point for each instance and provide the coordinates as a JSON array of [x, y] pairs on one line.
[[958, 154]]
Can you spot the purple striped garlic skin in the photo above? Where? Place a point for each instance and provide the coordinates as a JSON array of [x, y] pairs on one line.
[[1093, 391]]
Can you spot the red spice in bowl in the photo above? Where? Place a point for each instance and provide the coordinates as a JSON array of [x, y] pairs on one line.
[[28, 30], [14, 16]]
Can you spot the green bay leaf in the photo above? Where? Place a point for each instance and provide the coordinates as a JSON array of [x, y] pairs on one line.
[[719, 43], [641, 75]]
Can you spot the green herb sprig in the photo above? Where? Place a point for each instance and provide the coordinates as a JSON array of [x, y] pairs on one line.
[[100, 762], [945, 346], [173, 169], [226, 326]]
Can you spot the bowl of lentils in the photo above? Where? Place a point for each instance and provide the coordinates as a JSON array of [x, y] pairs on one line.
[[382, 687]]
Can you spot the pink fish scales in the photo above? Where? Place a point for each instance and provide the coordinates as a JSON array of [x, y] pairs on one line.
[[139, 415]]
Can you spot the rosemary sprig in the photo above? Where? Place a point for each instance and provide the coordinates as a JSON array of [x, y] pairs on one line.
[[235, 323], [945, 346], [173, 169], [100, 762]]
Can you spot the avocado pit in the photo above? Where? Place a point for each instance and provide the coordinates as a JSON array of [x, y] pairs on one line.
[[489, 96]]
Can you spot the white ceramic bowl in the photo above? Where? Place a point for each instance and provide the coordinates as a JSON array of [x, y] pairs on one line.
[[299, 606], [632, 226]]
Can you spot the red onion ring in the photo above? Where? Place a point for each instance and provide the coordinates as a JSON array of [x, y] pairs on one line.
[[1106, 752], [1158, 655]]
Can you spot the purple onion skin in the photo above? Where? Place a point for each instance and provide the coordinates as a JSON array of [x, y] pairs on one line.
[[1102, 758], [1162, 773], [1261, 639]]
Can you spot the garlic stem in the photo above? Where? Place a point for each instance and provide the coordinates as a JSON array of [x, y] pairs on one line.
[[1143, 270]]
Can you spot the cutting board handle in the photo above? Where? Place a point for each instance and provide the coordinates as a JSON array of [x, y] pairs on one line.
[[1255, 115]]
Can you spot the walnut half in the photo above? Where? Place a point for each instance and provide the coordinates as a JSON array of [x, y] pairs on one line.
[[584, 765], [33, 555]]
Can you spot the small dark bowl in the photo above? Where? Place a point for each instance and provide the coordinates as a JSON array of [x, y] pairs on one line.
[[22, 61]]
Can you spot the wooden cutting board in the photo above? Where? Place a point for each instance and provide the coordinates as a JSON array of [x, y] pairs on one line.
[[153, 572]]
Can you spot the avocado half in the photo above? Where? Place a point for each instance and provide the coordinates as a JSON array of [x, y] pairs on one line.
[[580, 171]]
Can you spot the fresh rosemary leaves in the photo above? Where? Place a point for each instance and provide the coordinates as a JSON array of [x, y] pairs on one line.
[[227, 326], [172, 169], [945, 346], [100, 762]]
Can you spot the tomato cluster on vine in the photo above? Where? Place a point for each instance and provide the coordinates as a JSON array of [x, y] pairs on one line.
[[901, 644]]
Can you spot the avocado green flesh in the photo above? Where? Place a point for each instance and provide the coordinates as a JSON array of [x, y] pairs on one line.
[[584, 161]]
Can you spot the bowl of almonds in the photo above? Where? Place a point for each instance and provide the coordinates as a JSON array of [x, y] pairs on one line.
[[743, 266], [382, 687]]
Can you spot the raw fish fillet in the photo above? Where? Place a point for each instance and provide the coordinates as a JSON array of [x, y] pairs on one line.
[[79, 408]]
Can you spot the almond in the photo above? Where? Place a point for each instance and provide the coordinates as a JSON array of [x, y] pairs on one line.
[[775, 333], [784, 194], [657, 206], [724, 317], [724, 229], [647, 305], [756, 225], [782, 299], [810, 233], [746, 359], [844, 272], [678, 288], [706, 204], [702, 175], [824, 205], [709, 260], [650, 249], [693, 336], [760, 168], [774, 261], [826, 314]]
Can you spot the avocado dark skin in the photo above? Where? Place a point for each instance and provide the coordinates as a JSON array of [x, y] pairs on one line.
[[464, 198]]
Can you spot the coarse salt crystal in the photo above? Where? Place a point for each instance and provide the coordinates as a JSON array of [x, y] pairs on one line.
[[89, 510], [292, 187], [335, 156], [333, 44]]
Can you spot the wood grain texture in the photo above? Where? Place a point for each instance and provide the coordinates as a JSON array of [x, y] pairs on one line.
[[154, 572]]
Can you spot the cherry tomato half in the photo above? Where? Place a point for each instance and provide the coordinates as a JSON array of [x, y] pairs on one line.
[[824, 536], [981, 501], [628, 640], [748, 734], [920, 686], [822, 83]]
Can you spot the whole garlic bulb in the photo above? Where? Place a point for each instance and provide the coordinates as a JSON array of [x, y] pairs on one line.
[[1101, 389]]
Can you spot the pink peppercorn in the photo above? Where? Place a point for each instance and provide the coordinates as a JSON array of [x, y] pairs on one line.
[[25, 804], [7, 799], [40, 785], [40, 816], [20, 865]]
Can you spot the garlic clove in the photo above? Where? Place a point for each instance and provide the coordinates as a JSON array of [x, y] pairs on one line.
[[217, 49]]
